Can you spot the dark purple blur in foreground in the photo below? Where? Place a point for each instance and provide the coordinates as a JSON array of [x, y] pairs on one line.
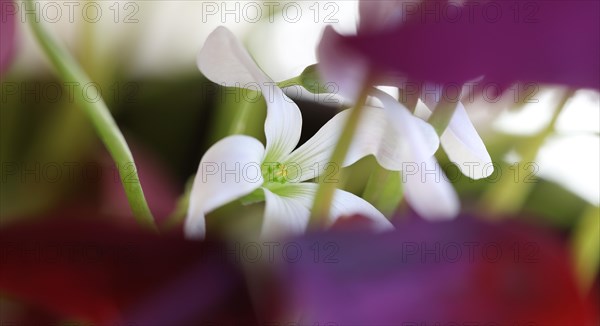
[[97, 272], [463, 272], [421, 274], [546, 42]]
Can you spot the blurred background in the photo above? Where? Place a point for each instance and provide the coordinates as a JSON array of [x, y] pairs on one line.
[[142, 55]]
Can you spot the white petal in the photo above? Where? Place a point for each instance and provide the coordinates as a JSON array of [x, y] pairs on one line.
[[377, 134], [343, 204], [348, 204], [312, 158], [426, 188], [428, 192], [282, 126], [462, 143], [283, 216], [230, 169], [414, 133], [383, 133], [224, 60], [464, 146]]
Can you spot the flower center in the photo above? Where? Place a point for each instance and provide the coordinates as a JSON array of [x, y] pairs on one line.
[[276, 173]]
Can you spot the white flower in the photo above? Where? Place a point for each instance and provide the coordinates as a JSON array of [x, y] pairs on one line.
[[427, 188], [239, 165], [460, 140]]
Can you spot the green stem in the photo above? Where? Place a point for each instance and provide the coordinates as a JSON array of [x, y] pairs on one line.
[[98, 113], [508, 195], [443, 113], [585, 247], [295, 81], [240, 118], [326, 190]]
